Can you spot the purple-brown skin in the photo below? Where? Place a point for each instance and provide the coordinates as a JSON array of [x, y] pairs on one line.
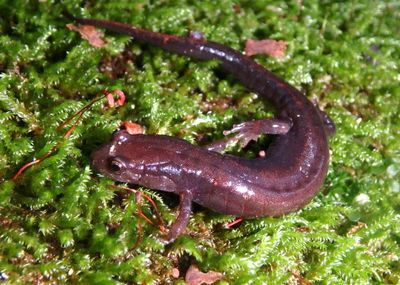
[[283, 181]]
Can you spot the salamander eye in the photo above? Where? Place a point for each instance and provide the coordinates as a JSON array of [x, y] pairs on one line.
[[115, 165]]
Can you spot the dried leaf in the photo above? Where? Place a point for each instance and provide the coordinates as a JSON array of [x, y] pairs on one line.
[[175, 272], [89, 33], [132, 128], [195, 277], [269, 47]]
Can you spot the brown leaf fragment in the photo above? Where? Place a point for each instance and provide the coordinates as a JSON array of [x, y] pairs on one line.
[[89, 33], [132, 128], [195, 277], [175, 272], [269, 47]]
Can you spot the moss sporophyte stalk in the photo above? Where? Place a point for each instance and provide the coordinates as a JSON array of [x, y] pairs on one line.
[[61, 223]]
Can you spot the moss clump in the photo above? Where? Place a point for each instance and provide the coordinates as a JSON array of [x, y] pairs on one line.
[[62, 224]]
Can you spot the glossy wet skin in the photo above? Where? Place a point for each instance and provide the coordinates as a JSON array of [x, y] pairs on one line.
[[285, 180]]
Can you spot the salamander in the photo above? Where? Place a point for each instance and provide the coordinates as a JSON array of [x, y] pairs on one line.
[[286, 179]]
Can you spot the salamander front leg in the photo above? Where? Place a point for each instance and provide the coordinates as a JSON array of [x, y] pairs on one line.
[[185, 209], [251, 130]]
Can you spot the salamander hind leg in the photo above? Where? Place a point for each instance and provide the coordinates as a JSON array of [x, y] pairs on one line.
[[185, 209], [245, 132]]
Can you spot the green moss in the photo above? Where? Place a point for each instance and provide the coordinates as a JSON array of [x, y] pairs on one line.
[[60, 223]]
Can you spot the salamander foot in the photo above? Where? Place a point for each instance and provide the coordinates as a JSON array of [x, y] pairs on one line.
[[251, 130]]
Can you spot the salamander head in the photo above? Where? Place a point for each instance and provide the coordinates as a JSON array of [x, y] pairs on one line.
[[136, 159], [114, 159]]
